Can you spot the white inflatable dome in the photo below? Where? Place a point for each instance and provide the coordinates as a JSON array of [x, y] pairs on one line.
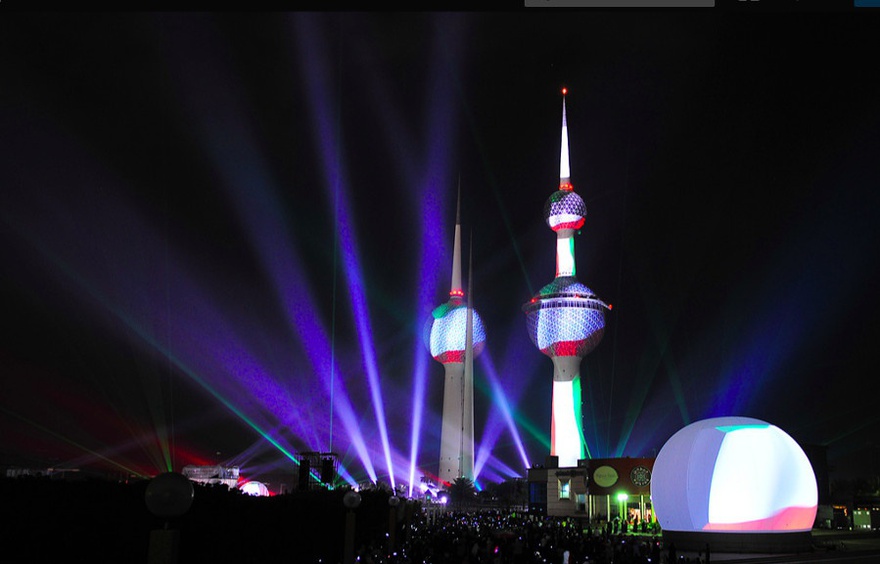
[[733, 474], [255, 488]]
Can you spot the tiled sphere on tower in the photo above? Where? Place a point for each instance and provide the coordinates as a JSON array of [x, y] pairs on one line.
[[565, 209]]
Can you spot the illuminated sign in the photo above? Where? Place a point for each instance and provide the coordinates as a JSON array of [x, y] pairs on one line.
[[640, 476], [605, 476]]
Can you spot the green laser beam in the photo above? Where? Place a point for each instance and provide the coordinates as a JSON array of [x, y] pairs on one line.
[[149, 339]]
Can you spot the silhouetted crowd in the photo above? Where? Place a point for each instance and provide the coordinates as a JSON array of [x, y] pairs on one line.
[[503, 537], [103, 521]]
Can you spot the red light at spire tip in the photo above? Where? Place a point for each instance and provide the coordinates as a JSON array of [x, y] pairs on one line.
[[564, 91]]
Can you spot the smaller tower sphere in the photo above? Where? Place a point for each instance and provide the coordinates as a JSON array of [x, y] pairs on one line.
[[447, 337], [565, 209]]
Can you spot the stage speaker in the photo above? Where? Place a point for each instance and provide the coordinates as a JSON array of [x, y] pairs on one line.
[[305, 468], [328, 473]]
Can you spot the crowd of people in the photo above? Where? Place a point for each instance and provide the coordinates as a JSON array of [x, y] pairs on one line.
[[106, 521], [509, 537]]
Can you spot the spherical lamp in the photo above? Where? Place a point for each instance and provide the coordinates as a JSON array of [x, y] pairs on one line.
[[169, 495]]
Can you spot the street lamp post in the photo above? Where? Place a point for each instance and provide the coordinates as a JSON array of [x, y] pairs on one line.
[[393, 502], [622, 499], [351, 500], [168, 495], [408, 512]]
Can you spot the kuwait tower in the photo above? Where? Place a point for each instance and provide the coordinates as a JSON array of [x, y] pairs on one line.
[[456, 337], [565, 319]]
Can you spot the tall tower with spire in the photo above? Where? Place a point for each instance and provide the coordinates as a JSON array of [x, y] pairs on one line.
[[456, 337], [565, 319]]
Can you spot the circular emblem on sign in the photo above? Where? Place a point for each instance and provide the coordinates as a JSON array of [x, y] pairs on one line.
[[640, 476], [605, 476]]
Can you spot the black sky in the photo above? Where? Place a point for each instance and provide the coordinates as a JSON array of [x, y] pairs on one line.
[[728, 162]]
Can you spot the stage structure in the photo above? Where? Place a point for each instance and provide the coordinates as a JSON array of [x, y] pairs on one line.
[[210, 475], [565, 319], [456, 336], [317, 469]]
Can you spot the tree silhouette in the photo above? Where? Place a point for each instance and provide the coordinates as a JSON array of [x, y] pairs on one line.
[[462, 491], [509, 493]]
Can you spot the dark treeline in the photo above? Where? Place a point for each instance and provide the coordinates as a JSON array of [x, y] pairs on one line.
[[98, 521], [48, 520]]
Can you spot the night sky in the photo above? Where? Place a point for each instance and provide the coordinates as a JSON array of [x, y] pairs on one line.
[[199, 212]]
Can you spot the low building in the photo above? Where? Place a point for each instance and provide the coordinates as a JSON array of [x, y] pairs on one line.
[[866, 513], [603, 490]]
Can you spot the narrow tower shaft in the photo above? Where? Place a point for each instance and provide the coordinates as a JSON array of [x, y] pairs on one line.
[[565, 265], [466, 467]]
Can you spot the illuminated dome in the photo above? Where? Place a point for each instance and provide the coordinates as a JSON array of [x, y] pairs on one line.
[[254, 488], [448, 332], [564, 209], [733, 475], [565, 318]]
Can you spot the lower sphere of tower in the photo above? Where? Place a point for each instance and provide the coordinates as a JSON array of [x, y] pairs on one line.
[[565, 318], [568, 329]]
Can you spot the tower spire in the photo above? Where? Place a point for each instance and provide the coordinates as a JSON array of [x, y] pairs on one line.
[[456, 290], [564, 164]]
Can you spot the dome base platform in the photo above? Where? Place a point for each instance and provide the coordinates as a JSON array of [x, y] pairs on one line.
[[767, 543]]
